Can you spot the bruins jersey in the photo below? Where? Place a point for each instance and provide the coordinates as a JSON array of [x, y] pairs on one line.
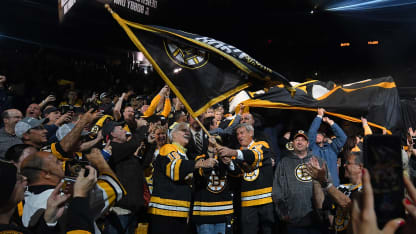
[[171, 194], [66, 158], [257, 181], [213, 200], [342, 216]]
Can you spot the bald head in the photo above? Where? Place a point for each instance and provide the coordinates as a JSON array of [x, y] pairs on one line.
[[42, 168], [10, 117]]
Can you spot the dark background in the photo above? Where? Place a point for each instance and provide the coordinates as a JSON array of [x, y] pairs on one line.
[[281, 34]]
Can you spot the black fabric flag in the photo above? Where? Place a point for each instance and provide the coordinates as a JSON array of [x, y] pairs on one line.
[[376, 99], [408, 113], [201, 71]]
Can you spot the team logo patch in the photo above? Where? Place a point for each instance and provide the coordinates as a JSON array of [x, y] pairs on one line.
[[215, 183], [185, 56], [251, 176], [302, 174], [342, 219]]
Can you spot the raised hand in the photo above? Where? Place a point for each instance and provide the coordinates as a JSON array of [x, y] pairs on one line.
[[321, 111], [55, 205], [364, 219], [85, 183], [316, 171]]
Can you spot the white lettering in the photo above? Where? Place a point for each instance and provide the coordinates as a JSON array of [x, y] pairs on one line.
[[151, 3], [120, 2], [134, 6]]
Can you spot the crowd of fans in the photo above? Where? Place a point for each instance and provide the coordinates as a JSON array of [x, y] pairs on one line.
[[125, 163]]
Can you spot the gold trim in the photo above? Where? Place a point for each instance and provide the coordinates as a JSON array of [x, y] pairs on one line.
[[386, 85], [221, 203], [212, 213], [256, 192], [258, 202], [123, 23], [174, 61], [170, 213], [279, 105], [170, 202]]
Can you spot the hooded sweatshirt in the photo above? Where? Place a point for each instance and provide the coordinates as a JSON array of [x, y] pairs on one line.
[[293, 190]]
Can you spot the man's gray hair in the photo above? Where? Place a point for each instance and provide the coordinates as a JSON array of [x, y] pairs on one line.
[[247, 126], [176, 128]]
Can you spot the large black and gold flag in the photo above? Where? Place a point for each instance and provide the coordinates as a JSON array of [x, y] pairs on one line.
[[376, 99], [201, 71]]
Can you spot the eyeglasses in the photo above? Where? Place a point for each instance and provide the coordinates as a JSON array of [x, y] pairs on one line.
[[348, 163]]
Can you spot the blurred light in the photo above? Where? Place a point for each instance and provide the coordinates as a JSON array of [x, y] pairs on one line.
[[344, 44], [177, 70], [311, 12], [359, 5], [372, 42], [145, 71]]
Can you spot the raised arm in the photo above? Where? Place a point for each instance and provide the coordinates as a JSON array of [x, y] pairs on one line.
[[313, 129]]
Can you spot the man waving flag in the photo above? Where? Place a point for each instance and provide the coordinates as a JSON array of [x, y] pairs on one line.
[[201, 71]]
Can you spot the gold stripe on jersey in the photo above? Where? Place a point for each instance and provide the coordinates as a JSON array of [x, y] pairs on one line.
[[221, 203], [170, 202], [172, 169], [157, 211], [256, 192], [109, 191], [257, 202], [57, 154], [20, 209], [256, 148], [116, 181], [212, 213], [78, 232], [256, 197]]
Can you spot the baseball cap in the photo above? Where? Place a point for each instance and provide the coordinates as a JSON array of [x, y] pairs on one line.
[[141, 97], [103, 95], [109, 127], [26, 124], [65, 129], [8, 172], [49, 110], [302, 134]]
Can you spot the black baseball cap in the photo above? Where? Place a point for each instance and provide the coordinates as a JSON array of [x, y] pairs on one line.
[[109, 127]]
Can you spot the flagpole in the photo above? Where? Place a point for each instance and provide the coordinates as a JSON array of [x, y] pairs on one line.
[[202, 126]]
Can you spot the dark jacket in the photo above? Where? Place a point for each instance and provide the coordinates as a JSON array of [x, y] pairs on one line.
[[129, 170]]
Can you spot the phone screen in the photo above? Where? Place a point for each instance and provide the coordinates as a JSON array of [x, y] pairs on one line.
[[382, 157], [73, 167]]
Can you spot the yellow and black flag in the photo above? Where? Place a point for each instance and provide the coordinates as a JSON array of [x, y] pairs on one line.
[[375, 99], [201, 71]]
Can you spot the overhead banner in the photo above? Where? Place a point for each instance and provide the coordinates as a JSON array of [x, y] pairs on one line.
[[375, 99], [201, 71]]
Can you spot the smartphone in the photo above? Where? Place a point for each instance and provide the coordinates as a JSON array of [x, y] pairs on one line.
[[383, 159], [68, 185], [73, 167]]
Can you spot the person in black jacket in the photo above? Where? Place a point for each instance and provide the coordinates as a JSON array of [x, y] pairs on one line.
[[128, 156]]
